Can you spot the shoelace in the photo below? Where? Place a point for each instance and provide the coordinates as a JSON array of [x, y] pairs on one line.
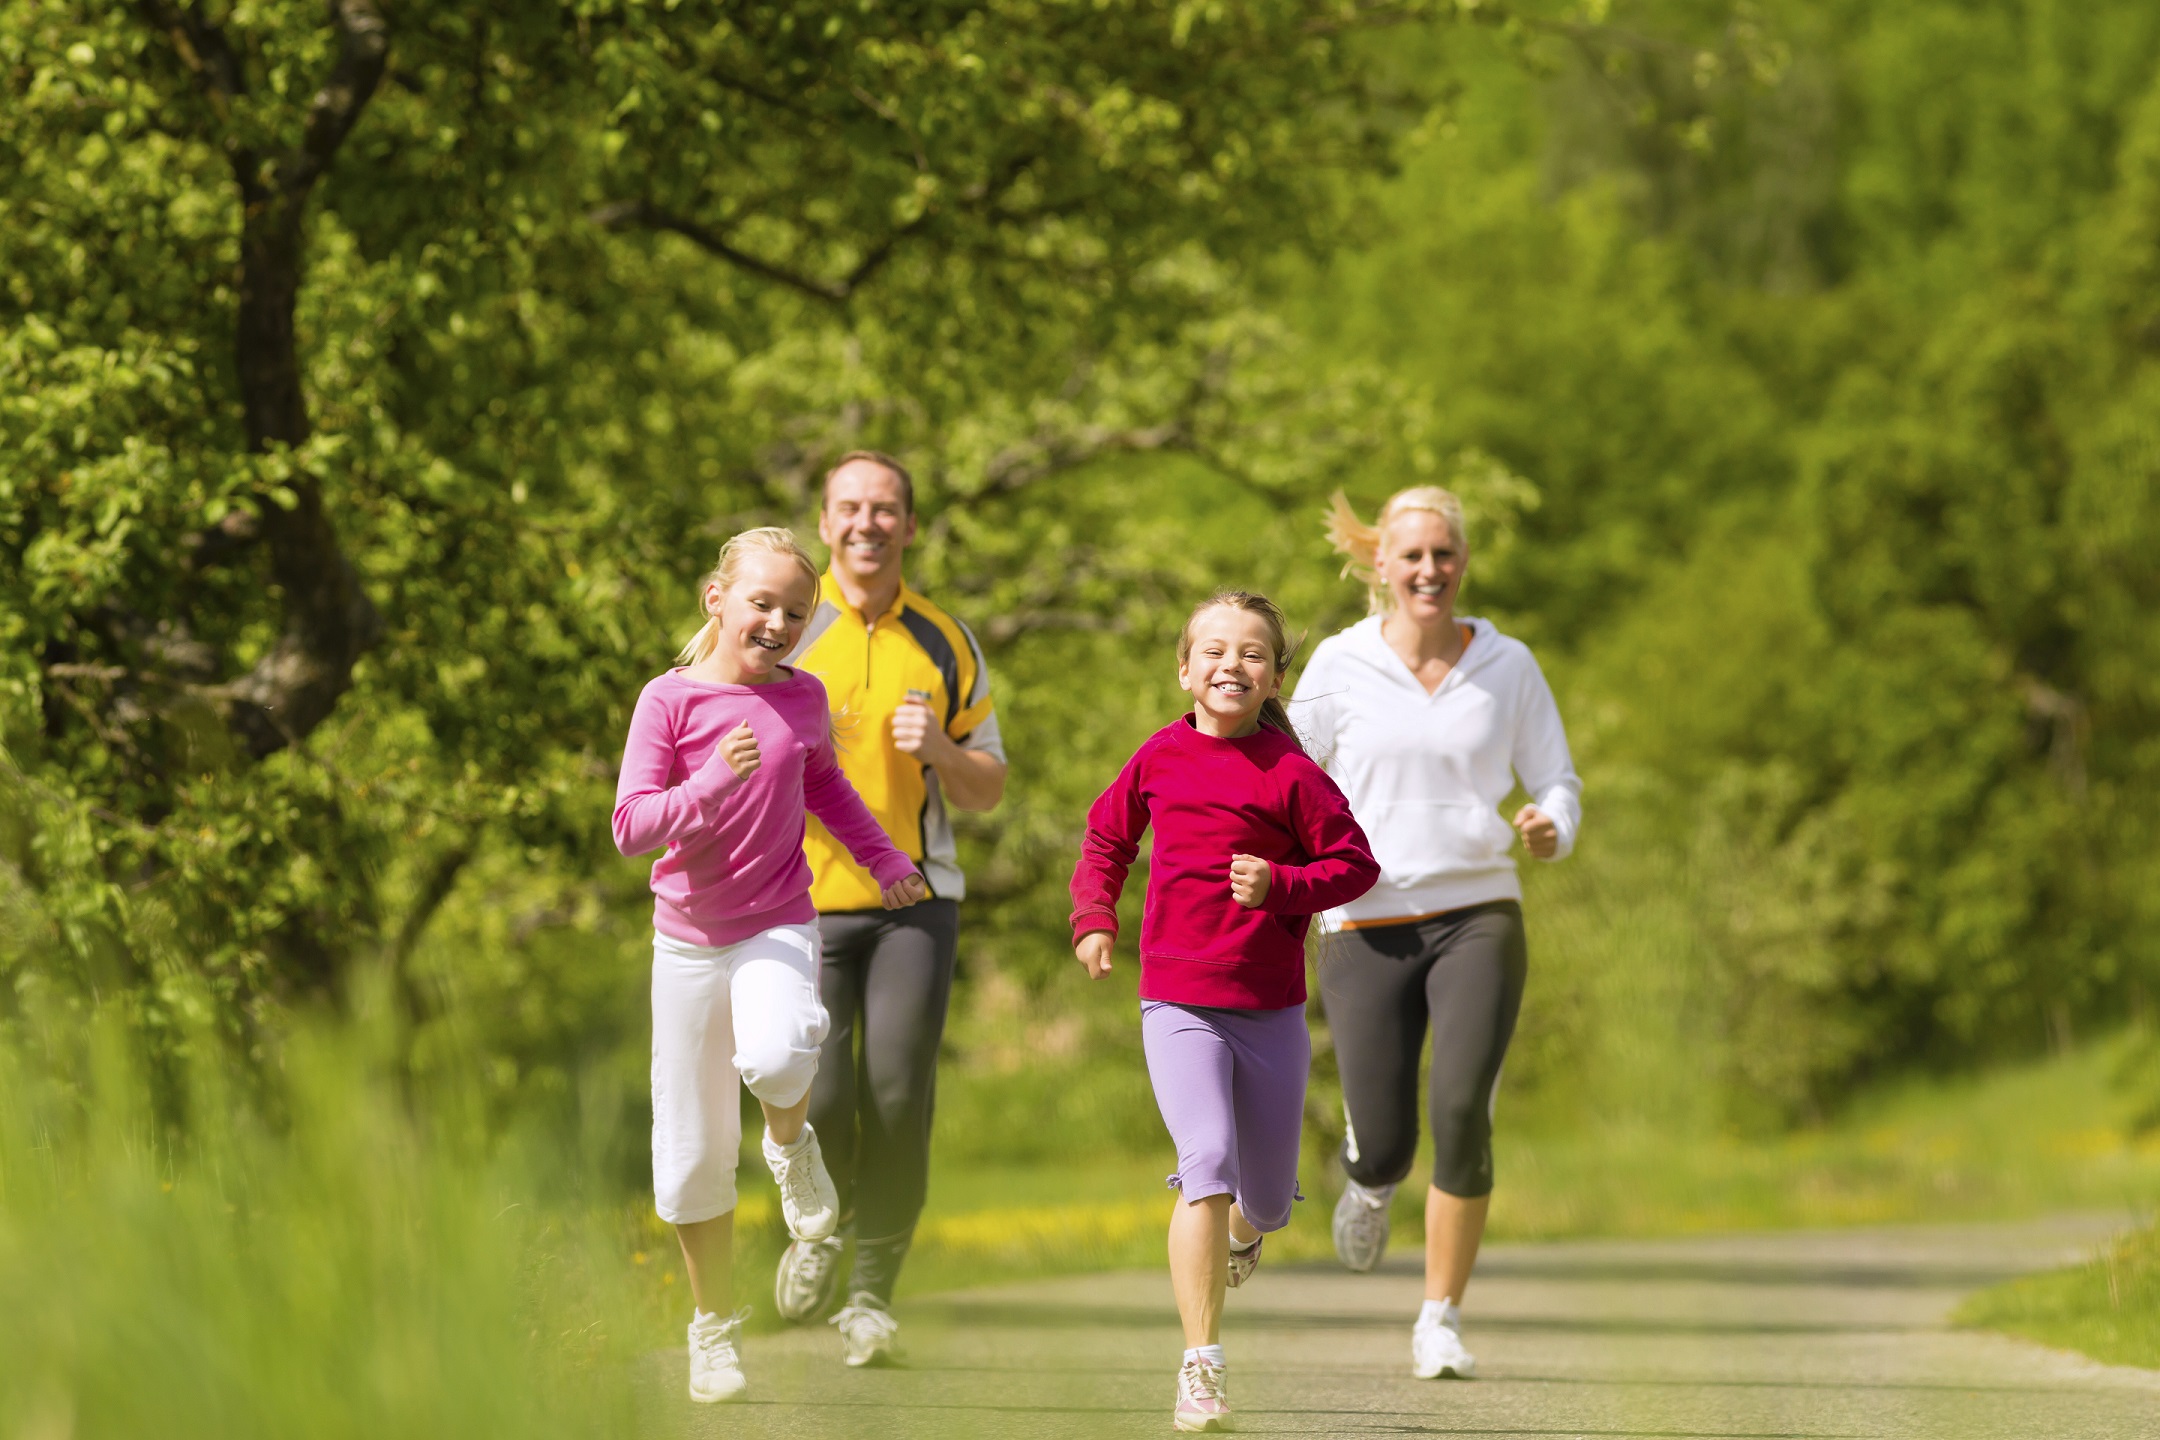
[[882, 1326], [815, 1262], [717, 1342], [795, 1175], [1202, 1381]]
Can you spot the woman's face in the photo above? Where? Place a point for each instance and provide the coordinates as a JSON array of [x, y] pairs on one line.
[[1421, 561], [762, 614], [1230, 669]]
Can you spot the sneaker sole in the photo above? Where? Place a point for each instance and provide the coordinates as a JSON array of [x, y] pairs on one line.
[[823, 1230], [1202, 1424], [808, 1316], [723, 1398], [1448, 1372], [821, 1308], [875, 1360]]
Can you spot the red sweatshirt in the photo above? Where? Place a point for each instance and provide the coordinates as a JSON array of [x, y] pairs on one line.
[[1209, 799]]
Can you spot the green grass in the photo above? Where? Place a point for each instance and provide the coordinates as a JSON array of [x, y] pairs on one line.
[[2049, 1135], [338, 1262], [2108, 1308]]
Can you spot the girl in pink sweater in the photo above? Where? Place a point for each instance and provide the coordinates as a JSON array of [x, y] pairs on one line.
[[725, 755], [1251, 839]]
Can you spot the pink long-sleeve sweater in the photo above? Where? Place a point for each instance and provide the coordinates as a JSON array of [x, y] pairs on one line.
[[1209, 799], [734, 864]]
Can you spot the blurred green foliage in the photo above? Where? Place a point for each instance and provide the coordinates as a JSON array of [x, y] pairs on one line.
[[1798, 361]]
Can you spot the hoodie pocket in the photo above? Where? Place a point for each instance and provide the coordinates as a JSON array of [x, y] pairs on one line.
[[1421, 840]]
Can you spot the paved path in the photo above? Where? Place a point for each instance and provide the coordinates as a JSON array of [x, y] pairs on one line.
[[1824, 1334]]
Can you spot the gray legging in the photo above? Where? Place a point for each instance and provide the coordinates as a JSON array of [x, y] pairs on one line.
[[886, 981], [1464, 970]]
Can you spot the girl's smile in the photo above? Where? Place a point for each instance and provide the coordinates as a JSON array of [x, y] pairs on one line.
[[761, 617], [1230, 671]]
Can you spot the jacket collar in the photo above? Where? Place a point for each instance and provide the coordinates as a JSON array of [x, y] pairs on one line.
[[830, 592], [1381, 656]]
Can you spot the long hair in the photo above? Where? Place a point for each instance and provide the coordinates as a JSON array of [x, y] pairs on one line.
[[1360, 543], [1273, 714], [765, 540]]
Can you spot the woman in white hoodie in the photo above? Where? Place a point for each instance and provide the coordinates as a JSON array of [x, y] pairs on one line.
[[1426, 721]]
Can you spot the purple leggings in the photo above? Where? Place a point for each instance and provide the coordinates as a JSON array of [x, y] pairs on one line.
[[1231, 1084]]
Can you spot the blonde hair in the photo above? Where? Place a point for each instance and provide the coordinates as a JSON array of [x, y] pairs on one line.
[[1359, 543], [1273, 715], [765, 540]]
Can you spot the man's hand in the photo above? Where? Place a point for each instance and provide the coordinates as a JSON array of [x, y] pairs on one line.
[[916, 732], [1250, 877], [1540, 835], [1092, 950], [904, 892], [739, 748], [970, 779]]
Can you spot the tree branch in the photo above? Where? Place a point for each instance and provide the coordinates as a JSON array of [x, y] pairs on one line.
[[649, 216], [1039, 457], [363, 54], [329, 622], [436, 885], [203, 49]]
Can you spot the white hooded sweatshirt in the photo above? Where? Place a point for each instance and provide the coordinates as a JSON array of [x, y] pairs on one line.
[[1425, 774]]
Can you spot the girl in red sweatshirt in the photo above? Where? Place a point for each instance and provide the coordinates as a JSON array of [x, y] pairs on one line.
[[1251, 839]]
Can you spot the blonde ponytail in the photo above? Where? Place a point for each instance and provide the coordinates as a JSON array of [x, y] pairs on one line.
[[1360, 543], [765, 540]]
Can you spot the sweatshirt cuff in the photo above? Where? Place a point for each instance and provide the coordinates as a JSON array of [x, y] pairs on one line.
[[1282, 881], [891, 869], [1087, 921], [714, 782]]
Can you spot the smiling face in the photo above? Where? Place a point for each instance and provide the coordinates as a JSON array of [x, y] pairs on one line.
[[1421, 561], [761, 616], [1229, 669], [866, 523]]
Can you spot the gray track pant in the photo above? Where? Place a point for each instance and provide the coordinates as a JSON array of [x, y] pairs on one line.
[[886, 981], [1464, 971]]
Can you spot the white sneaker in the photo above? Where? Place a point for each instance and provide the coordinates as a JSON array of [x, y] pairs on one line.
[[1361, 1225], [715, 1364], [1436, 1352], [808, 1279], [808, 1201], [1244, 1262], [868, 1332], [1203, 1398]]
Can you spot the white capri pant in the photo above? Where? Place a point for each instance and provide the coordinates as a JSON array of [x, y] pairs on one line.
[[747, 1011]]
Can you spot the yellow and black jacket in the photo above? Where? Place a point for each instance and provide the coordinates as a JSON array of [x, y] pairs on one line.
[[869, 664]]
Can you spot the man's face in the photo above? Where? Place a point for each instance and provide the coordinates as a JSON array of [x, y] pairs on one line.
[[866, 522]]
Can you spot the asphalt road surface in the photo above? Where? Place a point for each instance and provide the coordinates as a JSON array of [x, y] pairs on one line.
[[1818, 1334]]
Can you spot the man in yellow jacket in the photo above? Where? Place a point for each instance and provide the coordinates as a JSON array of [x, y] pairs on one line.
[[911, 709]]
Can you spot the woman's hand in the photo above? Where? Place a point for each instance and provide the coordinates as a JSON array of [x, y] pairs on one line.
[[1540, 836], [1092, 950], [905, 891], [1250, 877], [739, 748]]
